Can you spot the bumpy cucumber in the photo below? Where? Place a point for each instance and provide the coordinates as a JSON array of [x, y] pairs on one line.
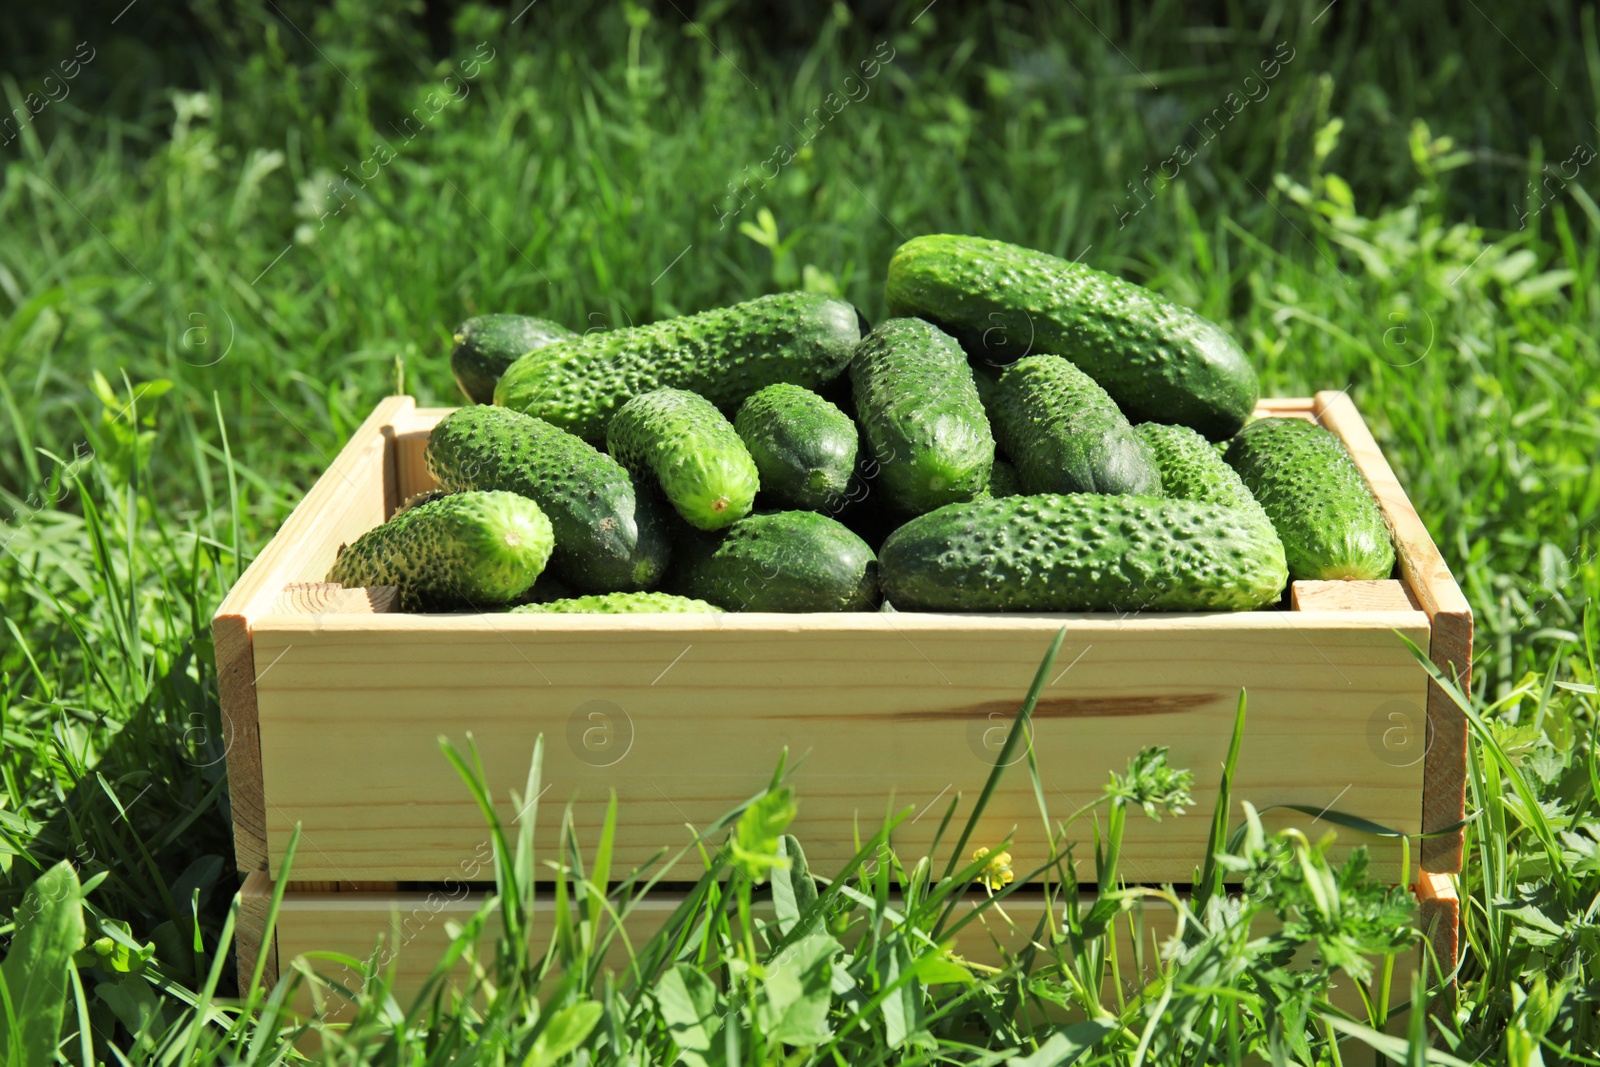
[[1324, 511], [694, 454], [1192, 468], [486, 345], [1004, 480], [785, 561], [609, 532], [1083, 552], [1065, 434], [1160, 361], [919, 411], [803, 446], [620, 604], [724, 355], [465, 550]]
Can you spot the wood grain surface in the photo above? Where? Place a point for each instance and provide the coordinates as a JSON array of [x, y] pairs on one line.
[[684, 717], [1450, 622]]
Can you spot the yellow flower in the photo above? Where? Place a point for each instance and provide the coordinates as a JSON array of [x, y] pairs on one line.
[[997, 873]]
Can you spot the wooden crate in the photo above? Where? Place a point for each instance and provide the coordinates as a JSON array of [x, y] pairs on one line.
[[333, 704], [408, 932]]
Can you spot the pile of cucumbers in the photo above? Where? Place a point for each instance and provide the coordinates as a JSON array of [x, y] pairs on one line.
[[1021, 433]]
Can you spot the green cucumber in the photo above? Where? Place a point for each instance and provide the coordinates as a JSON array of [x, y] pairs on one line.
[[620, 604], [1004, 479], [1192, 468], [487, 344], [1065, 434], [464, 550], [803, 447], [920, 413], [694, 454], [610, 533], [1083, 552], [783, 561], [1323, 509], [1160, 361], [724, 355]]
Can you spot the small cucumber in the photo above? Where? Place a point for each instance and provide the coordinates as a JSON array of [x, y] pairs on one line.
[[609, 530], [694, 454], [1065, 434], [724, 355], [620, 604], [784, 561], [804, 447], [487, 344], [1305, 480], [1160, 361], [1083, 552], [1192, 468], [919, 410], [464, 550]]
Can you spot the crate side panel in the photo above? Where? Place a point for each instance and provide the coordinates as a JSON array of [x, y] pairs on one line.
[[1450, 638], [349, 498], [684, 724]]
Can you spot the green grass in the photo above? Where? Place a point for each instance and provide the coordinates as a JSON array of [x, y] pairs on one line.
[[193, 319]]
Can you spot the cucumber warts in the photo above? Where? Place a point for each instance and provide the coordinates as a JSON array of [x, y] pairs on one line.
[[1065, 434], [1325, 513], [694, 454], [919, 411], [803, 447], [620, 604], [465, 550], [609, 533], [1192, 468], [1160, 361], [486, 345], [1083, 552], [724, 355], [785, 561]]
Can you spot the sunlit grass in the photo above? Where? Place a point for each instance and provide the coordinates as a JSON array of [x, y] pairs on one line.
[[1382, 221]]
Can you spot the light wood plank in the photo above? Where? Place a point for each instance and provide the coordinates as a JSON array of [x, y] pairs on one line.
[[1439, 918], [331, 598], [255, 900], [1384, 595], [347, 500], [684, 717], [1282, 406], [1450, 622]]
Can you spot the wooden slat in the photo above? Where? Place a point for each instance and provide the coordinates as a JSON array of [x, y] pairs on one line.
[[1450, 623], [685, 716], [297, 886], [331, 598], [350, 498], [1384, 595], [1439, 917], [255, 899], [410, 440], [1281, 406]]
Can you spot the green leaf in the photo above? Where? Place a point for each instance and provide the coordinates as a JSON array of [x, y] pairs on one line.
[[1397, 1049], [793, 891], [755, 838], [935, 967], [50, 930], [687, 1001], [1067, 1044], [135, 1005], [566, 1030], [797, 990]]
